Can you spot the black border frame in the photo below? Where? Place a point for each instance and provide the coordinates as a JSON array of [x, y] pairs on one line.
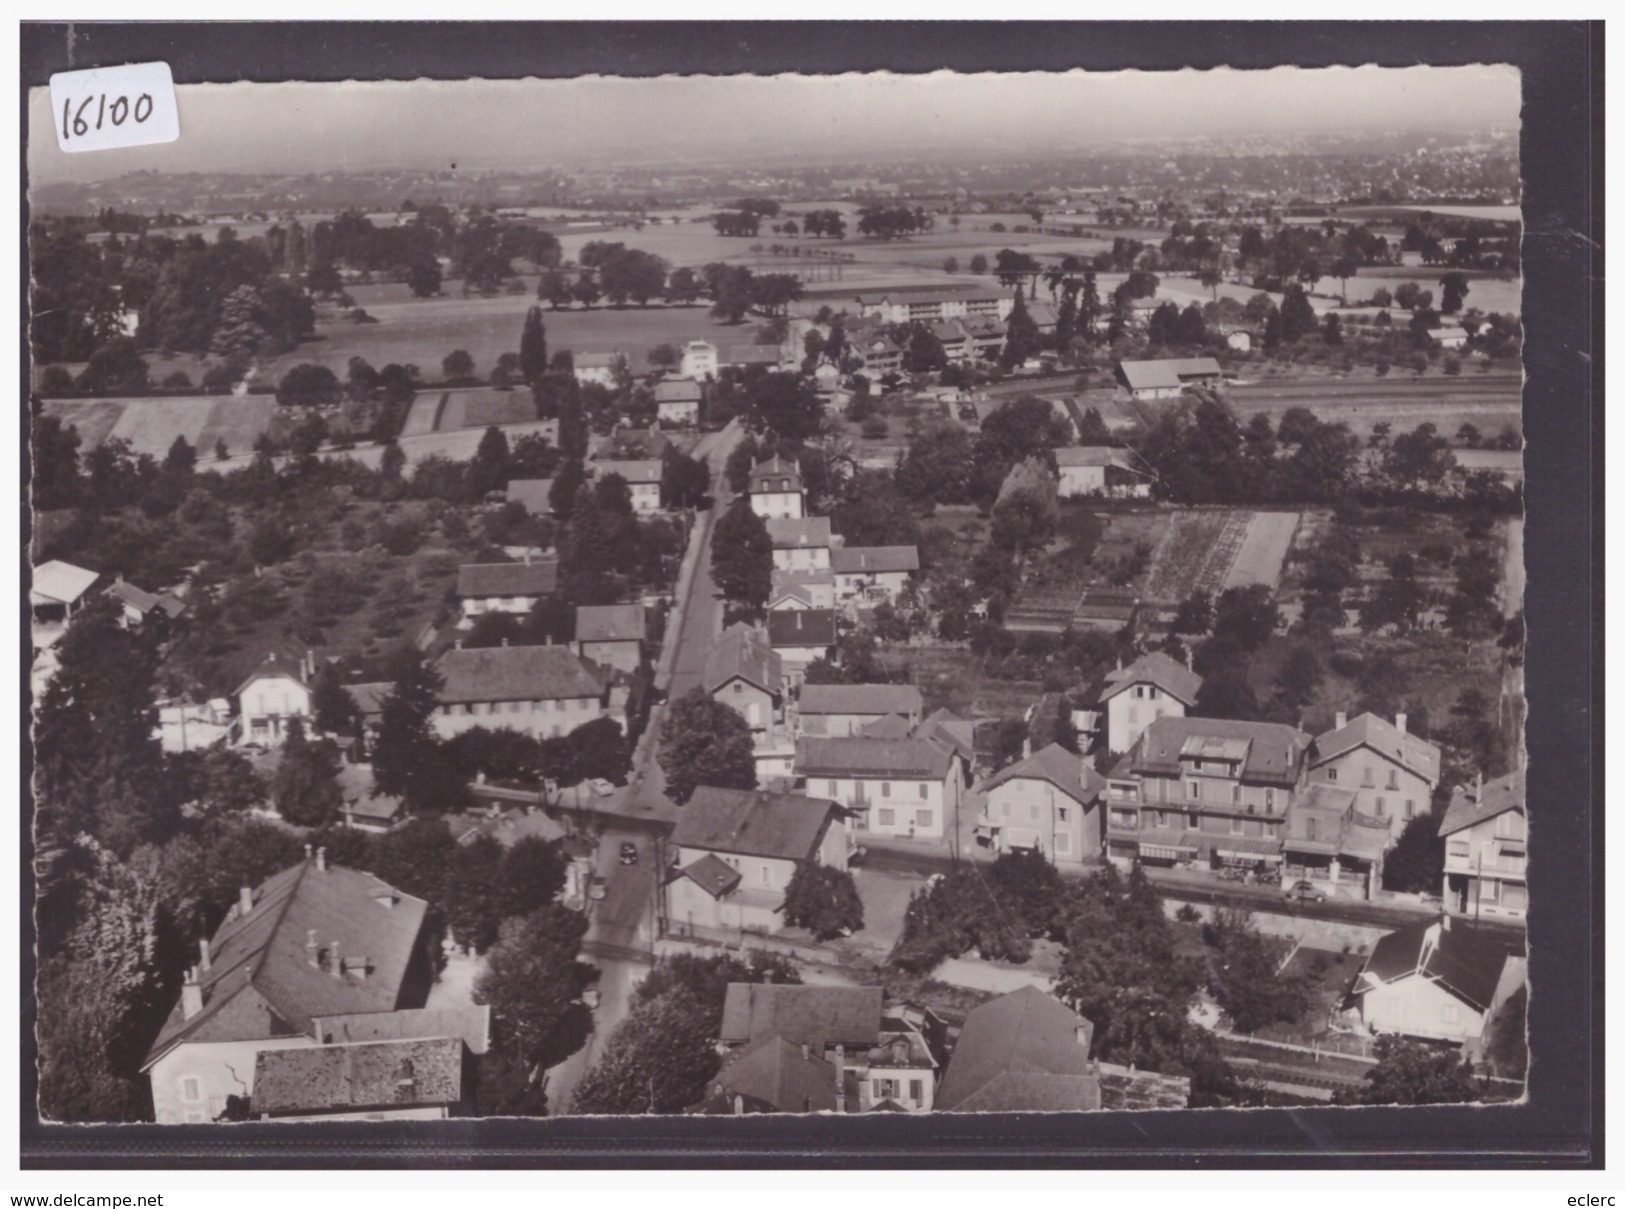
[[1562, 1122]]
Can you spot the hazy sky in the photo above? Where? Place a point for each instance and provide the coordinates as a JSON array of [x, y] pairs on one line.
[[476, 124]]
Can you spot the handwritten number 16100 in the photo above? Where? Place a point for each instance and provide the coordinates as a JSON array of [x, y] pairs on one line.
[[120, 111]]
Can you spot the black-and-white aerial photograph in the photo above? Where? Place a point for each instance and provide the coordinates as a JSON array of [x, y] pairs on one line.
[[733, 595]]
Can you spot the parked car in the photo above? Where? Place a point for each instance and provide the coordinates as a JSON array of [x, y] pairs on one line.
[[629, 853], [1305, 892], [598, 887], [1232, 874], [600, 787]]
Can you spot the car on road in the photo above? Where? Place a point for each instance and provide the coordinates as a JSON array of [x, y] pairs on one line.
[[1304, 892], [600, 787], [629, 853], [598, 887]]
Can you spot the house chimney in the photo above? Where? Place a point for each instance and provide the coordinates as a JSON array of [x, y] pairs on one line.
[[840, 1078], [504, 642], [245, 901], [1188, 666], [203, 953], [1082, 1032], [739, 1105], [1399, 723], [527, 556], [806, 1052], [191, 995], [1342, 720], [308, 851], [313, 951], [335, 966], [1027, 748], [457, 643], [321, 860]]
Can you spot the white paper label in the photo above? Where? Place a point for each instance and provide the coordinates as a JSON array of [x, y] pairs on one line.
[[126, 106]]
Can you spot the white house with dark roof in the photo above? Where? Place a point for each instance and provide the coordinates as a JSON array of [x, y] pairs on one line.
[[1437, 980], [1099, 470], [598, 368], [1133, 697], [776, 491], [840, 710], [983, 301], [1049, 803], [736, 851], [504, 587], [901, 787], [1392, 772], [612, 635], [800, 543], [802, 590], [1486, 852], [800, 636], [677, 402], [642, 476], [699, 360], [273, 695], [545, 691], [138, 604], [744, 672], [872, 573], [311, 941]]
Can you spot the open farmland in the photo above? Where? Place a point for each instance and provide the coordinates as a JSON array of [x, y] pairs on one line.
[[239, 421], [420, 331], [94, 418], [1263, 550], [1505, 462], [1488, 400], [1196, 551], [151, 425]]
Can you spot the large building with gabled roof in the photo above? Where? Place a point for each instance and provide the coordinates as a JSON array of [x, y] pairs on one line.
[[1392, 772], [1486, 853], [313, 941], [736, 851], [776, 490], [545, 691], [1131, 698], [1438, 980], [1047, 803]]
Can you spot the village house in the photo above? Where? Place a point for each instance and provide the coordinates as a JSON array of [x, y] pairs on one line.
[[841, 710], [1167, 378], [274, 694], [800, 636], [799, 543], [138, 605], [736, 851], [1022, 1052], [1486, 855], [881, 354], [825, 1049], [802, 590], [423, 1079], [308, 942], [57, 591], [504, 587], [612, 635], [744, 672], [1437, 980], [1097, 470], [544, 691], [776, 491], [1047, 803], [1131, 698], [872, 573], [1328, 840], [1393, 773], [1205, 790], [699, 361], [677, 402], [642, 478], [900, 787], [599, 369]]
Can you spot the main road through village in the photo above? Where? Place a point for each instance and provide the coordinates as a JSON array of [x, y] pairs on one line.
[[621, 930]]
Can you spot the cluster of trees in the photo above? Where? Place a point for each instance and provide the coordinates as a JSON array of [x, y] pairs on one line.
[[819, 223], [996, 913], [1472, 244], [1201, 455], [892, 222], [735, 291], [705, 742], [737, 222], [189, 295], [662, 1058]]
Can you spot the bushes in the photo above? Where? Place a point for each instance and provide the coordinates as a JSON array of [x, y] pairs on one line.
[[996, 913]]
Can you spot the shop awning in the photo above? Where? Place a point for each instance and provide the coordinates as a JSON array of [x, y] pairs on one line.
[[1247, 846], [1166, 853], [1021, 837]]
